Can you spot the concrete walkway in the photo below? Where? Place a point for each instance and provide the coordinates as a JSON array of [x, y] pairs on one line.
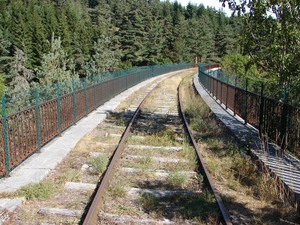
[[287, 168], [38, 166]]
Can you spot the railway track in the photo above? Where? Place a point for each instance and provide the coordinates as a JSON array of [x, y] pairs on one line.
[[149, 170], [156, 174]]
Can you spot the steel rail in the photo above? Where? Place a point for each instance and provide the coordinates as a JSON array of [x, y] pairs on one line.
[[224, 213], [92, 215], [90, 218]]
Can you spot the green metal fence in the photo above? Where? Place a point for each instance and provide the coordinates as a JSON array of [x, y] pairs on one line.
[[275, 119], [50, 110]]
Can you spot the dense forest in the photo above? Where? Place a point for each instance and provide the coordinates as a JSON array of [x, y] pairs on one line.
[[43, 42], [48, 41]]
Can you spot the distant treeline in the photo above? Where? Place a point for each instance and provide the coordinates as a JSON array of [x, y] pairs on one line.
[[47, 41]]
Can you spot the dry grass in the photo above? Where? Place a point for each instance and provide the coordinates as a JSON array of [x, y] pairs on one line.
[[165, 137], [132, 99]]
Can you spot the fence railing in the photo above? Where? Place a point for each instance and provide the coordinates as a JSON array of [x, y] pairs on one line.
[[25, 132], [275, 119]]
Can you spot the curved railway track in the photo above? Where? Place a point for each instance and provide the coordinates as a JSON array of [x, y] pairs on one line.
[[156, 174]]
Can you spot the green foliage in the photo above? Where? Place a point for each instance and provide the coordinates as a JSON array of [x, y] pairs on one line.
[[177, 179], [139, 32], [99, 164], [103, 58], [56, 65], [271, 38], [2, 85], [96, 36], [239, 65], [149, 201], [208, 207], [18, 81], [42, 190]]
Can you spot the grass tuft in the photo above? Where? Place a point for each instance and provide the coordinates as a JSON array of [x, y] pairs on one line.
[[177, 180], [98, 164], [118, 188], [148, 201], [42, 190]]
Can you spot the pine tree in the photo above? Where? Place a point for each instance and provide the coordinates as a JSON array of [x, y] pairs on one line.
[[49, 19], [5, 57], [17, 81], [39, 35], [103, 58], [63, 28], [56, 65], [155, 42], [179, 45], [81, 39], [206, 39], [191, 11], [167, 32], [132, 38], [20, 31]]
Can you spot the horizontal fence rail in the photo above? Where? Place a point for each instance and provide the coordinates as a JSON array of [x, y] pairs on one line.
[[55, 109], [276, 120]]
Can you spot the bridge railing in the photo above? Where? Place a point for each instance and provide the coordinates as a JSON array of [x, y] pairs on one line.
[[275, 119], [52, 109]]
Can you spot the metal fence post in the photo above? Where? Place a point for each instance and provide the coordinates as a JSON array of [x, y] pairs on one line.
[[38, 124], [112, 89], [217, 91], [95, 93], [108, 90], [283, 122], [221, 92], [119, 91], [209, 83], [261, 113], [213, 85], [5, 138], [234, 97], [246, 106], [85, 97], [227, 84], [205, 79], [102, 92], [126, 81], [74, 100], [140, 77], [152, 71], [58, 107]]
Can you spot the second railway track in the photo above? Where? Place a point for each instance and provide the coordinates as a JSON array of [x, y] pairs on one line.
[[154, 174]]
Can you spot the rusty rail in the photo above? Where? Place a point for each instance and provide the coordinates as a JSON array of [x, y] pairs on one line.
[[224, 213], [91, 216]]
